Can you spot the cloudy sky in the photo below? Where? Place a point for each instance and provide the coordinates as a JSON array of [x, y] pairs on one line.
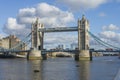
[[16, 17]]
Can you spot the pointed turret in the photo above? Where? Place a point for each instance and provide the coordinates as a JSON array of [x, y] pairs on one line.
[[37, 20], [83, 17]]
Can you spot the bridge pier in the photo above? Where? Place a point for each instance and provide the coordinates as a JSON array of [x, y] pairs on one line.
[[34, 55], [83, 55]]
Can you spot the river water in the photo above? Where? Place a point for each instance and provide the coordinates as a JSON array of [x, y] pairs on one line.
[[101, 68]]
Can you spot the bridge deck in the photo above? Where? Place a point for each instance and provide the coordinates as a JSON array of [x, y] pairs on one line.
[[59, 29], [105, 50], [73, 51]]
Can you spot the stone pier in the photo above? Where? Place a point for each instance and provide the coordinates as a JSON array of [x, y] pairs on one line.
[[34, 55]]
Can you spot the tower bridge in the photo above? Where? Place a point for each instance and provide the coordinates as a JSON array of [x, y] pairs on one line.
[[37, 38], [38, 31]]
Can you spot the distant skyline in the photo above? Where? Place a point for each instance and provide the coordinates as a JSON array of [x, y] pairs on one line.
[[16, 18]]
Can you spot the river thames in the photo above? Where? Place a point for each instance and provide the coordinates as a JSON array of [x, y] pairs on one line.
[[101, 68]]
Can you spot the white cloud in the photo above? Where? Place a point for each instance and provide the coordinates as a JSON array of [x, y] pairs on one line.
[[118, 0], [50, 15], [12, 24], [12, 27], [108, 34], [52, 39], [111, 27], [26, 15], [83, 4], [110, 37], [43, 9], [102, 14], [53, 15], [27, 12], [2, 35]]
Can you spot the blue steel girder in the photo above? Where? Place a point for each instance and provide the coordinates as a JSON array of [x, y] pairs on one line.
[[59, 29]]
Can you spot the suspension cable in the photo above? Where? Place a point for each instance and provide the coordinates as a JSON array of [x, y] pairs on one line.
[[96, 38], [21, 42]]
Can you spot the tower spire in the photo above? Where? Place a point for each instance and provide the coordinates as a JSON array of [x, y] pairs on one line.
[[37, 20], [83, 17]]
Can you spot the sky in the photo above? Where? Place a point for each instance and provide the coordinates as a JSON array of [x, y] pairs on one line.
[[103, 15]]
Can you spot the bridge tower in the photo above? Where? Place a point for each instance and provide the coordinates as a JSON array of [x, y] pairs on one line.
[[37, 37], [37, 41], [83, 39]]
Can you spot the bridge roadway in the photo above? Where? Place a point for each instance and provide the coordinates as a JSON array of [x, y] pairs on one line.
[[58, 29], [71, 51], [13, 51], [105, 50], [45, 51], [74, 51]]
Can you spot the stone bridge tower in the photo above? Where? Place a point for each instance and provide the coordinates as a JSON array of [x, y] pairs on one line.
[[37, 37], [83, 39], [36, 41]]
